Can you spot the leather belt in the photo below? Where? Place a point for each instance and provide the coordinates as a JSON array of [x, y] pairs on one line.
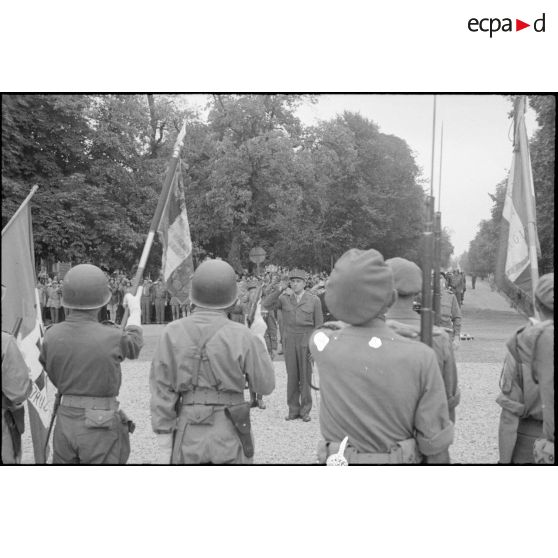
[[86, 402], [403, 452], [209, 396]]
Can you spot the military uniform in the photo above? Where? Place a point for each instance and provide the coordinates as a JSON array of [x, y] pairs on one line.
[[450, 313], [300, 318], [194, 408], [406, 322], [16, 387], [146, 301], [382, 391], [159, 298]]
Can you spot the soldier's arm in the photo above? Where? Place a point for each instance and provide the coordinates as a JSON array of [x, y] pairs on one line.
[[258, 366], [131, 341], [272, 300], [511, 401], [16, 384], [434, 430], [162, 386], [544, 368], [318, 314]]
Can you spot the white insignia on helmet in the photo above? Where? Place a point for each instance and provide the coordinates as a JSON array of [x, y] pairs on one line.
[[375, 342], [321, 340]]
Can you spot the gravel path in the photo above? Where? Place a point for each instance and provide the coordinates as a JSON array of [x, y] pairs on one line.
[[486, 316]]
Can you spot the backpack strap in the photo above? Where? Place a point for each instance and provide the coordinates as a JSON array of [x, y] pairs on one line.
[[204, 339]]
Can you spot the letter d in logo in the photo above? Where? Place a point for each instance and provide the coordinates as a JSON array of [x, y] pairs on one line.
[[540, 21]]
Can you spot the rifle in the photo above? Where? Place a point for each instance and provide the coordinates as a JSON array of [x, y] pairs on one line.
[[437, 258], [426, 321], [57, 399]]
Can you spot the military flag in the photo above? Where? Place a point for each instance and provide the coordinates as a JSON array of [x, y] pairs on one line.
[[21, 306], [519, 225], [174, 232]]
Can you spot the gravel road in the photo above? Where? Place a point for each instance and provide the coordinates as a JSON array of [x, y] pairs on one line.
[[486, 316]]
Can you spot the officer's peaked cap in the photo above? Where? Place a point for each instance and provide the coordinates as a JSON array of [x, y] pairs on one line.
[[298, 274], [359, 287], [544, 292], [214, 285], [407, 276]]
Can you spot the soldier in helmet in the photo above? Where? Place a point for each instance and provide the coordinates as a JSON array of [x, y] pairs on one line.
[[407, 278], [382, 392], [526, 430], [82, 359], [16, 388], [198, 374], [302, 313]]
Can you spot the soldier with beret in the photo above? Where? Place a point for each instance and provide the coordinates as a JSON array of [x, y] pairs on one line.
[[82, 359], [407, 278], [198, 374], [302, 313], [381, 393], [526, 431]]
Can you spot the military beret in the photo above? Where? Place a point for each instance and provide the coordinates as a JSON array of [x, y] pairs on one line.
[[544, 292], [407, 276], [359, 287], [297, 274]]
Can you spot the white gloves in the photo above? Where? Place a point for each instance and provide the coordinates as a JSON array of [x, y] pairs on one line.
[[164, 454], [134, 307]]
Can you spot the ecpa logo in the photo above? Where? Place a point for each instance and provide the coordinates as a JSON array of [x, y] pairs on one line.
[[492, 25]]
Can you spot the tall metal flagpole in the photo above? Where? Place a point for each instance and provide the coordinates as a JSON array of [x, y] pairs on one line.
[[428, 252], [530, 190], [165, 192], [438, 241]]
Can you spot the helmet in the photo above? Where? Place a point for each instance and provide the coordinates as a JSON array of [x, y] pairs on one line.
[[85, 287], [214, 285]]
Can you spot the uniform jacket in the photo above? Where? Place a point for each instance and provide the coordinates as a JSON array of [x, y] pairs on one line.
[[159, 290], [82, 356], [450, 312], [407, 323], [234, 353], [298, 317], [543, 367], [54, 297], [379, 388]]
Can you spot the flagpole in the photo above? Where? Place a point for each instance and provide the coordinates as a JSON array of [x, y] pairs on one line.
[[163, 198], [20, 208], [530, 209]]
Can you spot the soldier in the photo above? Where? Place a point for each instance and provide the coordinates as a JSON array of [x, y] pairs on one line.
[[146, 300], [381, 391], [527, 383], [198, 374], [450, 314], [82, 359], [302, 313], [16, 388], [407, 278], [159, 299]]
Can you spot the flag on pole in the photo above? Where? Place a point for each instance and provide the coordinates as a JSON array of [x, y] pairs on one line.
[[519, 210], [22, 302], [174, 232]]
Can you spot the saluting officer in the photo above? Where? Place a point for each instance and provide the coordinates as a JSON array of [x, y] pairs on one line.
[[302, 313], [16, 388], [198, 374], [527, 385], [407, 278], [382, 391], [82, 359]]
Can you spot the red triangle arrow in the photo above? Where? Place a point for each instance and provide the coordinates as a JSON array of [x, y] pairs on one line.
[[519, 25]]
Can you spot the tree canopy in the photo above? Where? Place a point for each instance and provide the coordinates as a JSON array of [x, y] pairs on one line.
[[254, 175]]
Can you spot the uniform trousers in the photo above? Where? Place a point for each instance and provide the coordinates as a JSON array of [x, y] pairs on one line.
[[146, 309], [8, 455], [76, 442], [527, 432], [299, 371], [159, 310]]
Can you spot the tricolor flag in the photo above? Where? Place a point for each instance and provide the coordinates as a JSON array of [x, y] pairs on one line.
[[519, 210], [22, 302], [174, 232]]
